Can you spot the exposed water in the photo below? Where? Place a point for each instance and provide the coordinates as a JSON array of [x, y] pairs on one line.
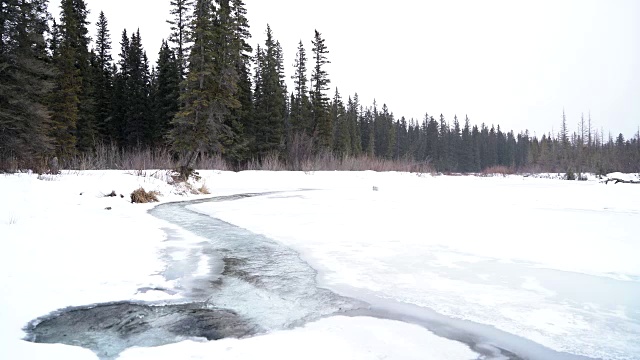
[[253, 285]]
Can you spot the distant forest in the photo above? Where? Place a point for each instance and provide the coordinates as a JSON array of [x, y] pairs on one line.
[[211, 95]]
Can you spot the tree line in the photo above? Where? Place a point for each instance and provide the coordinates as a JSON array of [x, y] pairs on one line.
[[210, 92]]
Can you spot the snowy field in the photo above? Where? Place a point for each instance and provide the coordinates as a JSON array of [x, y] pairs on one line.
[[551, 261]]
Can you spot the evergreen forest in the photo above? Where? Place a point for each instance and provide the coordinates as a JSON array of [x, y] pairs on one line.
[[64, 93]]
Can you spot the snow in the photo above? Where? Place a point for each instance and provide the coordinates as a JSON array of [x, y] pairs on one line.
[[336, 337], [548, 260], [624, 177]]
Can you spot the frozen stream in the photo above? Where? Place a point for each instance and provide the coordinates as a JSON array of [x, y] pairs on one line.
[[253, 285]]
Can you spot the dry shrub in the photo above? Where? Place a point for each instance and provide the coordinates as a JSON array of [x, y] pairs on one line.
[[497, 170], [9, 164], [301, 155], [331, 162], [211, 162], [141, 196], [328, 161], [48, 177], [270, 162], [300, 151], [204, 189], [112, 157]]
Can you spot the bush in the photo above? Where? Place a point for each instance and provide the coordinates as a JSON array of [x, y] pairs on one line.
[[570, 175], [140, 196]]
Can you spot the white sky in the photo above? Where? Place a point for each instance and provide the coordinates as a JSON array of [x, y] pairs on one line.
[[516, 63]]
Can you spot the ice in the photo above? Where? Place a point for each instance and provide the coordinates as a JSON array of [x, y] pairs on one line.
[[258, 277], [551, 261]]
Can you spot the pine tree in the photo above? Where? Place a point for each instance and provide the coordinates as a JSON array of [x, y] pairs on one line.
[[24, 83], [319, 100], [182, 16]]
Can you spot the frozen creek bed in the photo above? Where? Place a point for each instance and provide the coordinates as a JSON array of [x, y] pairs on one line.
[[252, 285]]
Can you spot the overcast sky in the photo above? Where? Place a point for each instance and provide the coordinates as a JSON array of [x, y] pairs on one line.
[[508, 62]]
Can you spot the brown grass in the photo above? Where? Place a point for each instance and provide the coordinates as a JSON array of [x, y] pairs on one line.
[[300, 158], [110, 157], [141, 196], [497, 170], [204, 189], [328, 161]]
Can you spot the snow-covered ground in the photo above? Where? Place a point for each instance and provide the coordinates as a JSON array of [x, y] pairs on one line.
[[547, 260]]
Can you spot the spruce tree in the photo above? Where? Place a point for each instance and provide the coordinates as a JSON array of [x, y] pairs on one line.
[[368, 132], [444, 145], [232, 63], [455, 142], [390, 132], [342, 137], [121, 95], [73, 102], [210, 88], [466, 155], [402, 148], [270, 98], [251, 131], [181, 12], [241, 55], [492, 149], [300, 105], [166, 93], [137, 125], [353, 116], [103, 78], [319, 100], [432, 138], [25, 79]]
